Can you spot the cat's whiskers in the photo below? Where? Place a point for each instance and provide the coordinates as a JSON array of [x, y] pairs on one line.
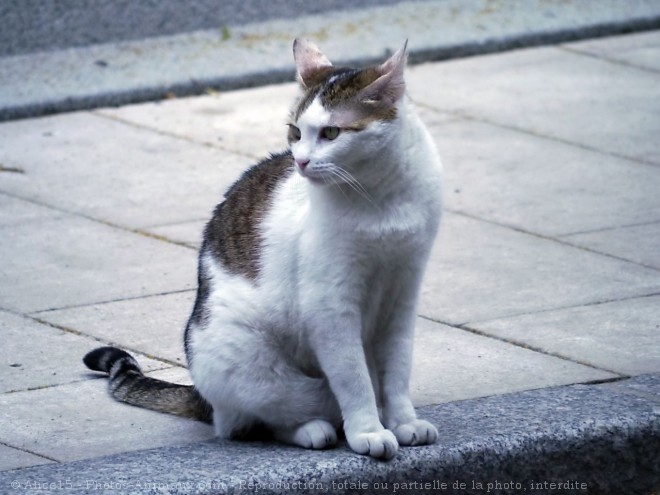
[[347, 178], [336, 182]]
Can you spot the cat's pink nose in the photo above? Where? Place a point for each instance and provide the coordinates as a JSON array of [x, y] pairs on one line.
[[302, 164]]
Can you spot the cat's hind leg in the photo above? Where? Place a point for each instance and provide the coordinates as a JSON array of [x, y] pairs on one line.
[[315, 434], [229, 423], [250, 380]]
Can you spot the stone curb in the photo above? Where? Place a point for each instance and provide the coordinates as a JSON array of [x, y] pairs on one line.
[[597, 439], [257, 54]]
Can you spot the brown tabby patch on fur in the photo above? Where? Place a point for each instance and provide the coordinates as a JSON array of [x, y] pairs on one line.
[[347, 86], [233, 233], [340, 95]]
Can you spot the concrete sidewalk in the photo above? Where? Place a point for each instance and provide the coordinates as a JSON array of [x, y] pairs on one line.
[[546, 274]]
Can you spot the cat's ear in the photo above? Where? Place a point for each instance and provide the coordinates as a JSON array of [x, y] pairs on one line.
[[311, 64], [390, 86]]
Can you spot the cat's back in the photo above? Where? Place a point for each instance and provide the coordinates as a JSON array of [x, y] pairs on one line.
[[233, 235]]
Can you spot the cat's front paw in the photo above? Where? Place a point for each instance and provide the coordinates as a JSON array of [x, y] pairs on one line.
[[417, 432], [381, 444]]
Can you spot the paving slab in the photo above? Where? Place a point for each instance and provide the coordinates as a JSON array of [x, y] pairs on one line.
[[249, 121], [75, 261], [622, 336], [79, 421], [638, 243], [36, 355], [640, 50], [596, 439], [541, 185], [450, 364], [480, 271], [14, 211], [11, 458], [119, 173], [153, 325], [564, 95]]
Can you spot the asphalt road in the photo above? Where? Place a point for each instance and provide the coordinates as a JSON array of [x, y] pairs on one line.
[[29, 26]]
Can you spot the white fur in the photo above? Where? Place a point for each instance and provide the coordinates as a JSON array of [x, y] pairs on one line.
[[325, 334]]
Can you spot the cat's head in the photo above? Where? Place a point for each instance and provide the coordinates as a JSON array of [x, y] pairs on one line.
[[345, 117]]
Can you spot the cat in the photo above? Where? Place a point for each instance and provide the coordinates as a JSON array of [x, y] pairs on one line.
[[309, 275]]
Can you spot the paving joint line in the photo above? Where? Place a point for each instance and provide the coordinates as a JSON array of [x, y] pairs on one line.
[[546, 237], [22, 449], [103, 341], [182, 137], [605, 58], [605, 381], [613, 256], [107, 223], [466, 115], [467, 328], [108, 301], [52, 385], [99, 376], [152, 235], [177, 223], [558, 308], [606, 229]]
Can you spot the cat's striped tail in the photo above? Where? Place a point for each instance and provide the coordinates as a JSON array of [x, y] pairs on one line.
[[128, 384]]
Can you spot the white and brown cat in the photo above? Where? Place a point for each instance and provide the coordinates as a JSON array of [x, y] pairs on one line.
[[310, 273]]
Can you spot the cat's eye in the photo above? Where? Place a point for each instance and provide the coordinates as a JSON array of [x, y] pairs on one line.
[[294, 133], [330, 133]]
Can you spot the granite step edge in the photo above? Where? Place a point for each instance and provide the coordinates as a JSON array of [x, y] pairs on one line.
[[572, 439]]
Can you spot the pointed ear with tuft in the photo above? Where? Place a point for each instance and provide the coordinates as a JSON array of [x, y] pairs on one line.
[[390, 86], [311, 64]]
